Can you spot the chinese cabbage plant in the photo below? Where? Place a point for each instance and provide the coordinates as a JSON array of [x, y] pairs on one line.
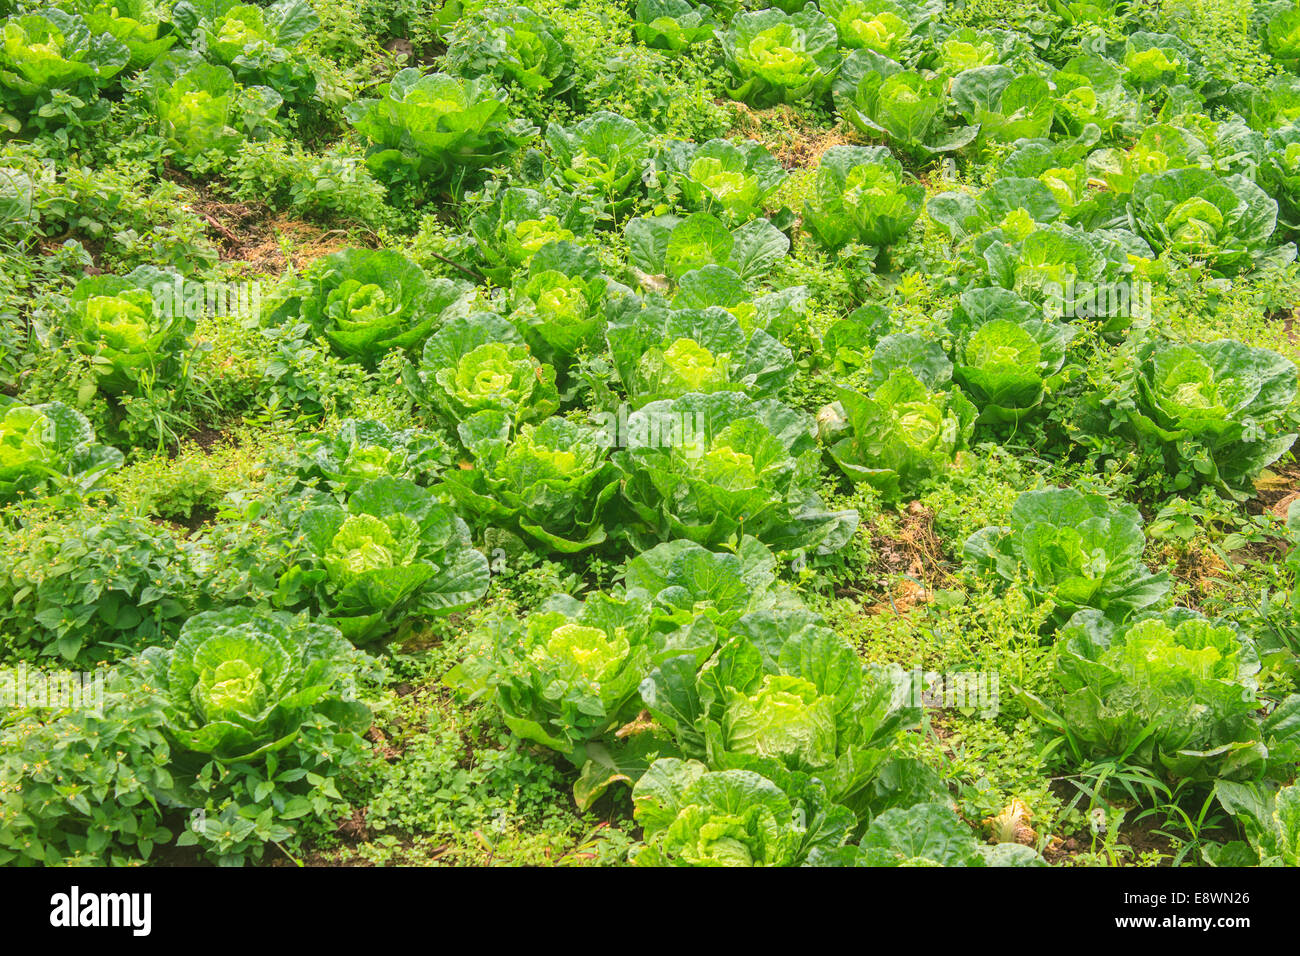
[[965, 48], [663, 353], [861, 194], [715, 467], [1090, 90], [783, 691], [1226, 221], [479, 363], [1271, 104], [1153, 61], [368, 302], [435, 127], [908, 110], [1175, 693], [683, 583], [550, 483], [1161, 148], [1008, 355], [1013, 205], [512, 44], [202, 111], [777, 313], [907, 426], [1209, 412], [136, 24], [694, 816], [1270, 819], [360, 450], [1279, 174], [776, 57], [604, 154], [925, 834], [673, 25], [567, 675], [52, 50], [562, 300], [884, 26], [133, 328], [241, 682], [511, 224], [1004, 103], [394, 550], [50, 448], [734, 180], [1073, 549], [260, 44], [1061, 267], [1282, 35], [672, 246]]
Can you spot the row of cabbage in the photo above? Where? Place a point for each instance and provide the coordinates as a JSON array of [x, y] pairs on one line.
[[377, 546]]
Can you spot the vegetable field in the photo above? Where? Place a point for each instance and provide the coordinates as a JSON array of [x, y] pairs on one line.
[[649, 432]]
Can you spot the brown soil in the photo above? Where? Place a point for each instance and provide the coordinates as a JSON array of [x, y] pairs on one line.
[[1139, 837], [427, 55], [906, 595], [353, 830], [1276, 493], [805, 152], [207, 438], [1203, 570], [797, 145], [400, 46], [383, 747], [1288, 320], [911, 556], [914, 550], [251, 235], [1060, 850]]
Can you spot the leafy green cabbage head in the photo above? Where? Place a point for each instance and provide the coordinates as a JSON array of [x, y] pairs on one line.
[[135, 328], [512, 44], [54, 49], [1077, 550], [477, 363], [775, 57], [551, 483], [1175, 693], [696, 817], [1226, 221], [1216, 411], [394, 552], [884, 26], [862, 194], [785, 718], [368, 302], [565, 677], [909, 425], [50, 448], [241, 682], [712, 467], [429, 127]]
